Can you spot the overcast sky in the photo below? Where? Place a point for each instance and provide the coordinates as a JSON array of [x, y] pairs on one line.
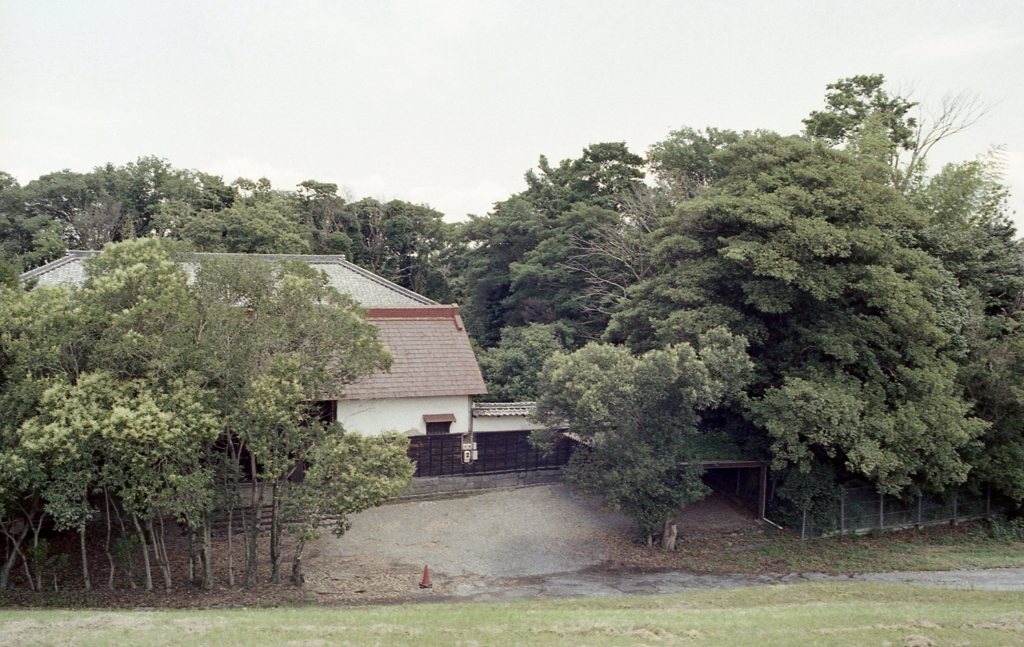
[[448, 102]]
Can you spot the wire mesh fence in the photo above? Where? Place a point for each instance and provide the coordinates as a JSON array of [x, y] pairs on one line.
[[863, 509]]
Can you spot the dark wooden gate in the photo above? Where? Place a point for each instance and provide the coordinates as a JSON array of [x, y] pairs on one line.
[[497, 452]]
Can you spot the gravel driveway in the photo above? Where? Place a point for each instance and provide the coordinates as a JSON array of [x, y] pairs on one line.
[[544, 541], [510, 533]]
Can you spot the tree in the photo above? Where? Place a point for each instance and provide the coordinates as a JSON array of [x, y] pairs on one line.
[[268, 326], [149, 388], [522, 261], [862, 115], [638, 419], [403, 242], [243, 229], [805, 251], [965, 194], [851, 102], [684, 162], [348, 473], [511, 369]]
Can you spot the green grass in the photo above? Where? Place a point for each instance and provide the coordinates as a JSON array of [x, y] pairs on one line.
[[806, 614], [928, 549]]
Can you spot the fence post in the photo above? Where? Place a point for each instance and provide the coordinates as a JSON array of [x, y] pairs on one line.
[[803, 527], [920, 498], [988, 501], [954, 509], [881, 511]]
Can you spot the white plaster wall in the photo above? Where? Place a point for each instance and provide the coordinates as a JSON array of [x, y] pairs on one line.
[[504, 423], [404, 415]]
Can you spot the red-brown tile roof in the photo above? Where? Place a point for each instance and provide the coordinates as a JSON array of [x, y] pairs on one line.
[[431, 351]]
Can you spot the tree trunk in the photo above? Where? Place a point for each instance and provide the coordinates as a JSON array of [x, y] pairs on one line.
[[191, 572], [205, 556], [12, 558], [668, 535], [85, 560], [253, 525], [145, 553], [231, 546], [160, 544], [298, 579], [37, 527], [275, 533], [106, 543]]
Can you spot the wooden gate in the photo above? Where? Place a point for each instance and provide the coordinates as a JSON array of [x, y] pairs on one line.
[[497, 452]]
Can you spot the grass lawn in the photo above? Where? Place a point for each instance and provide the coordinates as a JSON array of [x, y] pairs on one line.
[[937, 548], [805, 614]]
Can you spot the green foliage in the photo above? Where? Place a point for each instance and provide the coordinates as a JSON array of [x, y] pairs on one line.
[[1008, 530], [264, 228], [854, 101], [523, 262], [638, 417], [685, 161], [807, 498], [146, 386], [808, 253], [349, 473], [967, 194], [512, 368]]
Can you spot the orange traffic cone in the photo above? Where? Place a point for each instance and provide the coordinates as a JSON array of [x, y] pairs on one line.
[[425, 584]]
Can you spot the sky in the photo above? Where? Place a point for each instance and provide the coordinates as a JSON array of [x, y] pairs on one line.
[[449, 102]]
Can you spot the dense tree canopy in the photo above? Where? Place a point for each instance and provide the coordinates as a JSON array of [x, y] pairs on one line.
[[157, 391]]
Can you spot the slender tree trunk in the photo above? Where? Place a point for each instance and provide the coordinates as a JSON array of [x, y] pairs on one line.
[[129, 566], [252, 537], [145, 553], [191, 574], [159, 550], [275, 533], [12, 558], [205, 556], [36, 529], [85, 560], [106, 543], [231, 546], [668, 535], [163, 553], [298, 578]]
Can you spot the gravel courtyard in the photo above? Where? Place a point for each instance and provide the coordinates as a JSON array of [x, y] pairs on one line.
[[545, 541], [490, 543]]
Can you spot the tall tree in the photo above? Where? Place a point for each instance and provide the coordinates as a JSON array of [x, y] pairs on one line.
[[638, 419], [806, 252], [521, 261]]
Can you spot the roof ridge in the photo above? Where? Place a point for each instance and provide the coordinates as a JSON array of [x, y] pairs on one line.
[[74, 255], [70, 256]]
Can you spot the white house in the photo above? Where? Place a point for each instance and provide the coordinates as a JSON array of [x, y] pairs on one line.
[[434, 376], [428, 393]]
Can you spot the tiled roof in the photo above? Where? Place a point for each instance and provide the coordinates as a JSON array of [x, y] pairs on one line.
[[370, 290], [496, 409], [432, 356], [431, 351]]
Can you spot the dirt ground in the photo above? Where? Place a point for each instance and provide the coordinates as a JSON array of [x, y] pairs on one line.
[[487, 545]]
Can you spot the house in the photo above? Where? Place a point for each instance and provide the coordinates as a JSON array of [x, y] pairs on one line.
[[428, 393], [434, 376]]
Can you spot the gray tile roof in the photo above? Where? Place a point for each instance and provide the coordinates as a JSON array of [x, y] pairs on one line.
[[432, 356], [500, 409], [370, 290]]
